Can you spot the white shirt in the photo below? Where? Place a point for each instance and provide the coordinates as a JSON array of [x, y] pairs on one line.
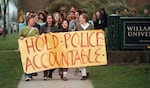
[[85, 26]]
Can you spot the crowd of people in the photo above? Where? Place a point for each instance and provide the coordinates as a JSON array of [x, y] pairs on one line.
[[60, 21], [63, 21]]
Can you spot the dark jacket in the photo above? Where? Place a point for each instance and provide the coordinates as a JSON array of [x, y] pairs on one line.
[[63, 30], [37, 26], [46, 29], [99, 24]]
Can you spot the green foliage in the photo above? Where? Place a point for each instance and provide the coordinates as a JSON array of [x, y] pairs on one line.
[[56, 4], [115, 6], [104, 1], [147, 6], [120, 76], [90, 6]]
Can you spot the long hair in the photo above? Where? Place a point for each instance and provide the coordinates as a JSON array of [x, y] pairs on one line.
[[29, 17], [50, 14], [85, 16]]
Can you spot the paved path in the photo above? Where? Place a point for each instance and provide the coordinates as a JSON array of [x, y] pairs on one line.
[[9, 51], [73, 81]]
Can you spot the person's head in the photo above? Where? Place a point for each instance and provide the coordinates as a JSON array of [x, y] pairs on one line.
[[126, 10], [133, 11], [103, 11], [72, 15], [42, 17], [36, 18], [145, 11], [83, 18], [65, 24], [117, 12], [72, 9], [94, 16], [98, 14], [49, 19], [57, 17], [77, 14], [68, 18], [30, 20]]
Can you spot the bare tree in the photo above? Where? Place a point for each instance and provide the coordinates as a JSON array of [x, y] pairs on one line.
[[5, 3]]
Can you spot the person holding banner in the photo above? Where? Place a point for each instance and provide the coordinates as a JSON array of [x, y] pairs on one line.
[[29, 31], [64, 28], [38, 27], [48, 28], [84, 25]]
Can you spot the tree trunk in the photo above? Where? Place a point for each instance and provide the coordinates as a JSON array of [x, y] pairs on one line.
[[4, 30]]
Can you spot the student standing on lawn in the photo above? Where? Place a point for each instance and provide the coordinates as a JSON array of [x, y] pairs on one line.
[[47, 28], [84, 25], [29, 31]]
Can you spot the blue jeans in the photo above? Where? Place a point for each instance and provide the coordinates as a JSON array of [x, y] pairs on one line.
[[28, 75]]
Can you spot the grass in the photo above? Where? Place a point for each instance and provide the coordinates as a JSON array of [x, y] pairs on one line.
[[10, 69], [10, 64], [120, 76], [10, 43], [133, 76]]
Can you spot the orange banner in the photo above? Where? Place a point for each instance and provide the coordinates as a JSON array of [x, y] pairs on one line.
[[63, 50]]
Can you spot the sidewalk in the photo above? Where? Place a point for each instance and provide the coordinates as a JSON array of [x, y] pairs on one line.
[[73, 81]]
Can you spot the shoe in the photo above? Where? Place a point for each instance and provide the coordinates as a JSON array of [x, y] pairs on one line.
[[61, 76], [83, 78], [87, 75], [49, 78], [45, 78], [65, 79], [27, 79]]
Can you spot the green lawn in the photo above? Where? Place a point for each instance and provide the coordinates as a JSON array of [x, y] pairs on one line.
[[10, 43], [120, 76], [10, 69], [133, 76], [10, 64]]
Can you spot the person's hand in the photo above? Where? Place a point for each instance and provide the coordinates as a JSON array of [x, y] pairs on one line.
[[50, 32], [21, 37], [43, 33], [36, 35]]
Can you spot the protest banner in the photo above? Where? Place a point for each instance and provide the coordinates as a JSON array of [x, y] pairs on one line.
[[63, 50]]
